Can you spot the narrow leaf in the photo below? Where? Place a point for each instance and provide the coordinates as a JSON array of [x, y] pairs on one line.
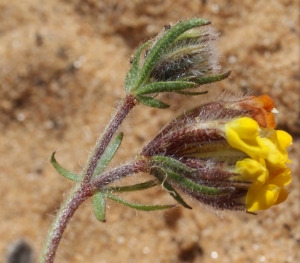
[[108, 155], [163, 43], [132, 188], [133, 72], [149, 101], [64, 172], [139, 206], [172, 164], [160, 175], [186, 183], [188, 93], [99, 206], [210, 79], [170, 86]]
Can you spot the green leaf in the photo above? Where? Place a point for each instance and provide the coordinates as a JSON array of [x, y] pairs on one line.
[[163, 43], [64, 172], [210, 79], [188, 93], [139, 206], [149, 101], [161, 176], [132, 188], [99, 206], [170, 86], [173, 164], [108, 155], [186, 183], [133, 72]]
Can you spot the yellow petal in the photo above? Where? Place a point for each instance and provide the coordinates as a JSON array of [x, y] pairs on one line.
[[250, 170], [242, 134], [283, 179], [282, 196], [262, 199]]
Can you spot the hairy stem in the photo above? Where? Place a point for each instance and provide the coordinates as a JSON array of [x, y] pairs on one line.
[[76, 198], [86, 188], [65, 213], [120, 172], [109, 131]]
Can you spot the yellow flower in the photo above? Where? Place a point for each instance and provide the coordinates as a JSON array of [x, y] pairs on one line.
[[271, 192], [266, 168], [233, 149]]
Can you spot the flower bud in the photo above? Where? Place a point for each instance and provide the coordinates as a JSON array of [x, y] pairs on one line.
[[181, 58], [192, 55], [233, 148]]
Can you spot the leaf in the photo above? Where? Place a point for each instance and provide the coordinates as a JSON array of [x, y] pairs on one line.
[[188, 93], [160, 175], [99, 206], [149, 101], [108, 155], [186, 183], [139, 206], [173, 164], [163, 43], [133, 72], [170, 86], [131, 188], [210, 79], [64, 172]]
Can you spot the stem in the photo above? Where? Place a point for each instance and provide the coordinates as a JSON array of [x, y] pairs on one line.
[[76, 198], [109, 131], [65, 213], [86, 189], [119, 172]]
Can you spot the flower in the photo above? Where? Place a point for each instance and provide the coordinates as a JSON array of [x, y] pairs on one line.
[[229, 148], [266, 168]]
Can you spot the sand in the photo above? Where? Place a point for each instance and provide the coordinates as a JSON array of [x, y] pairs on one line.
[[62, 70]]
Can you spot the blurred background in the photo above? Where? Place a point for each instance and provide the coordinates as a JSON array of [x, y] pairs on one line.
[[62, 69]]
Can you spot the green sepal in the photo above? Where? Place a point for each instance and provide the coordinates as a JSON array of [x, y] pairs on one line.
[[99, 206], [170, 86], [151, 102], [188, 184], [132, 188], [147, 208], [108, 155], [210, 79], [188, 93], [133, 72], [161, 176], [163, 43], [64, 172], [171, 163]]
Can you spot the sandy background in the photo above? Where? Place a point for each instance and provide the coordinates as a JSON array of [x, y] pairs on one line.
[[62, 67]]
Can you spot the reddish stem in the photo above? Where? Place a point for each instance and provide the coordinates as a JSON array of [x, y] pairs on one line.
[[109, 131], [63, 217], [86, 189]]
